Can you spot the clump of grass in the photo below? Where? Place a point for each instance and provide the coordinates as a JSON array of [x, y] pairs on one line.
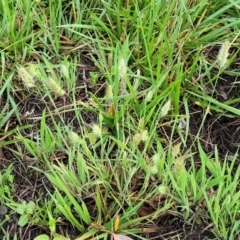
[[119, 163]]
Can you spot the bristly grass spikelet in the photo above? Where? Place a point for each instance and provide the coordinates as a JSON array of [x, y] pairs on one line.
[[73, 137], [109, 99], [223, 54], [149, 96], [142, 134], [96, 130], [165, 109], [109, 92], [122, 70], [27, 79], [137, 138], [65, 70], [34, 70], [54, 87]]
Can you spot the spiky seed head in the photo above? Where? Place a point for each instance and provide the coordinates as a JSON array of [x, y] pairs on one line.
[[64, 70], [137, 139], [165, 109], [54, 87], [162, 189], [109, 92], [122, 68], [144, 135], [96, 130], [154, 169], [149, 96], [26, 78], [223, 54], [73, 137], [33, 69], [156, 158]]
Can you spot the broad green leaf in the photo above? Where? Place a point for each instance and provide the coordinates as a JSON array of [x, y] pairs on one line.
[[30, 207], [60, 237], [21, 208], [42, 237], [3, 210], [23, 220]]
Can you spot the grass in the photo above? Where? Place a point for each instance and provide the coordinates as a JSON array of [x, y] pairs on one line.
[[98, 112]]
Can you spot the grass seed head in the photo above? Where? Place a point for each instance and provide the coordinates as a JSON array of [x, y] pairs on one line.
[[122, 69], [54, 87], [109, 92], [149, 96], [144, 135], [165, 109], [176, 149], [96, 130], [34, 71], [223, 54], [155, 158], [27, 79], [154, 169], [179, 168], [137, 139], [141, 125], [64, 70], [73, 137], [162, 189]]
